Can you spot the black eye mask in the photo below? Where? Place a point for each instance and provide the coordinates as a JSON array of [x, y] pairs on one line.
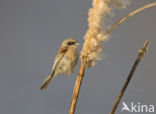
[[71, 43]]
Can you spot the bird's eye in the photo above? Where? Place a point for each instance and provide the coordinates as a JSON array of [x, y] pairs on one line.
[[71, 43]]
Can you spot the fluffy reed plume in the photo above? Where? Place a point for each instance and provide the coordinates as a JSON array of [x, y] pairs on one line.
[[94, 38], [97, 33], [98, 25]]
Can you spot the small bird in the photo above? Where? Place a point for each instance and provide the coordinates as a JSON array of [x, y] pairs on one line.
[[65, 60]]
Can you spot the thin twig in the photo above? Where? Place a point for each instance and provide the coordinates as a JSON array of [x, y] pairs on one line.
[[141, 53], [129, 15]]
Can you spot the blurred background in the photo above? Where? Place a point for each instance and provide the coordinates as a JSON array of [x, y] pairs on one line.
[[31, 32]]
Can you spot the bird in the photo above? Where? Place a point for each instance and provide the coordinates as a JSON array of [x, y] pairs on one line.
[[65, 61]]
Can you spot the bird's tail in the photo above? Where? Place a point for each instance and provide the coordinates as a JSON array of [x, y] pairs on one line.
[[46, 82]]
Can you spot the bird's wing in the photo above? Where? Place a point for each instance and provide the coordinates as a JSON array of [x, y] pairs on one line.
[[59, 56]]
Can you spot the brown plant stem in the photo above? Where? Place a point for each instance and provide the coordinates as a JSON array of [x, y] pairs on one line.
[[77, 86], [129, 15], [141, 53]]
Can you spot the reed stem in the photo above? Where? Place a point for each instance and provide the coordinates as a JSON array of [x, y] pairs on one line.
[[141, 53]]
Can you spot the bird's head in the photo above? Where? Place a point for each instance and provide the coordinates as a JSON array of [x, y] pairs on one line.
[[70, 42]]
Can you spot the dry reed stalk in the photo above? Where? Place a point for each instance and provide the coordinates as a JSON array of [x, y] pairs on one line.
[[129, 15], [141, 53], [77, 87], [95, 36], [93, 39]]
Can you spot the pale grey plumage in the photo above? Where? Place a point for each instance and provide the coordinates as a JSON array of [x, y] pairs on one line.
[[65, 61]]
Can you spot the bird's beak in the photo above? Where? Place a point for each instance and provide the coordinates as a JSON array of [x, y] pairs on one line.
[[77, 43]]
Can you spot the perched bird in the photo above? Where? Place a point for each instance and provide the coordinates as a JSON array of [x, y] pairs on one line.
[[65, 61]]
